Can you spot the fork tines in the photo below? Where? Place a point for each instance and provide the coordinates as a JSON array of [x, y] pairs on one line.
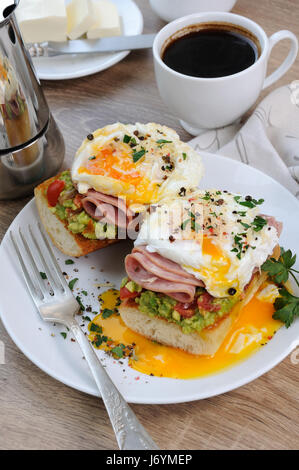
[[33, 250]]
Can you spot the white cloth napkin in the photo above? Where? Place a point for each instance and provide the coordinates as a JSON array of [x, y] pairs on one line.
[[268, 141]]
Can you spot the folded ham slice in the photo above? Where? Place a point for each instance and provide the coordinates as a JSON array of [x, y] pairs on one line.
[[107, 209], [272, 222], [154, 272]]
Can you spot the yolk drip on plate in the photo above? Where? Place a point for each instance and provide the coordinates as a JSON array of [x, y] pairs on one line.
[[253, 328]]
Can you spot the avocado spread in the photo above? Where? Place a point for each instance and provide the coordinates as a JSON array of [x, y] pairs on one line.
[[160, 305], [78, 221]]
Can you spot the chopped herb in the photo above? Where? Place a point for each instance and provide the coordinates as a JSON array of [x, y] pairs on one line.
[[259, 223], [84, 292], [92, 158], [80, 303], [126, 139], [162, 142], [107, 313], [138, 155], [96, 328], [207, 196], [69, 261], [118, 351], [86, 319], [64, 335], [72, 283], [43, 275], [251, 203], [184, 156], [245, 225], [98, 341]]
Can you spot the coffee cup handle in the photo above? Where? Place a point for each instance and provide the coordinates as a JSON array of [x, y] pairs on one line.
[[288, 62]]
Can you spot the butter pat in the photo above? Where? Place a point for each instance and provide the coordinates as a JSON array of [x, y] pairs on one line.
[[42, 20], [106, 20], [80, 18]]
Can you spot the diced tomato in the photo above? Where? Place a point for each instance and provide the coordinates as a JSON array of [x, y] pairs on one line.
[[54, 191], [205, 302], [78, 201], [124, 293], [186, 310]]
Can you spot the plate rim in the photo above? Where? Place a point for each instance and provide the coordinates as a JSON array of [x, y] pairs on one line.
[[115, 58], [186, 397]]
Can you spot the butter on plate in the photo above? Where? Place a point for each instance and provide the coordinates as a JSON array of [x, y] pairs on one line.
[[106, 20], [80, 18], [41, 20]]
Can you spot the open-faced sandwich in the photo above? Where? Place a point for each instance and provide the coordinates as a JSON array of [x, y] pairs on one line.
[[117, 172], [196, 262]]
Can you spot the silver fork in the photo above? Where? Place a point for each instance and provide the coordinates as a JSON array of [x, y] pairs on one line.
[[60, 306]]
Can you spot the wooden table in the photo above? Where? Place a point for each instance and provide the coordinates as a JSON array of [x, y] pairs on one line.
[[39, 413]]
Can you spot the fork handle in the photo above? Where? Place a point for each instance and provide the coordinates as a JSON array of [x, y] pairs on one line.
[[129, 432]]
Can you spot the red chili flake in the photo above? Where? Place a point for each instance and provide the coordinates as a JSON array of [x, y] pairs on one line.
[[211, 230], [270, 337], [137, 378]]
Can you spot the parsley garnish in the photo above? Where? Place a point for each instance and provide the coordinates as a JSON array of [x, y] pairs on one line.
[[86, 319], [162, 142], [43, 275], [207, 196], [96, 328], [64, 335], [92, 158], [251, 203], [69, 261], [107, 313], [84, 292], [126, 139], [184, 156], [259, 223], [80, 303], [118, 351], [72, 283], [287, 305], [138, 155]]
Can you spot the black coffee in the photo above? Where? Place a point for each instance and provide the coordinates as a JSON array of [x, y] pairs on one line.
[[211, 51]]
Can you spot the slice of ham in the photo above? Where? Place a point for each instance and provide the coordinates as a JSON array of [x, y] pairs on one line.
[[154, 272], [107, 209], [272, 222]]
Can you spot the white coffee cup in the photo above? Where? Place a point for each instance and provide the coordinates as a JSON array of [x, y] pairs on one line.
[[209, 103], [169, 10]]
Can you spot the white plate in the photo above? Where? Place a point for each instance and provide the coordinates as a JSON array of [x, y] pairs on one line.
[[62, 359], [75, 66]]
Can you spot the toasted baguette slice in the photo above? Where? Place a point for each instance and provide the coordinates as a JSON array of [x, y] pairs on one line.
[[207, 342], [69, 243]]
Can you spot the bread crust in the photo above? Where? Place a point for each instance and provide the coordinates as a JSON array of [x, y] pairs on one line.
[[208, 341], [69, 243]]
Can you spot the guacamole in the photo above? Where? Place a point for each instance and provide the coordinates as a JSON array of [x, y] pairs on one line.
[[160, 305], [79, 221]]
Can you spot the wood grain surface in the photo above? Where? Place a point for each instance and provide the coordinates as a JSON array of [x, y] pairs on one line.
[[36, 412]]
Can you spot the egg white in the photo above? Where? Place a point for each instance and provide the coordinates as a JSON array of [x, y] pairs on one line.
[[219, 273], [159, 183]]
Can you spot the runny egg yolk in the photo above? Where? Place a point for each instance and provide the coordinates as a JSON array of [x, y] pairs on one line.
[[253, 328], [217, 266], [116, 162], [113, 162]]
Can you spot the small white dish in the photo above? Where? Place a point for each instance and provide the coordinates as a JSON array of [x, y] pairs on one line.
[[169, 10], [62, 358], [75, 66]]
